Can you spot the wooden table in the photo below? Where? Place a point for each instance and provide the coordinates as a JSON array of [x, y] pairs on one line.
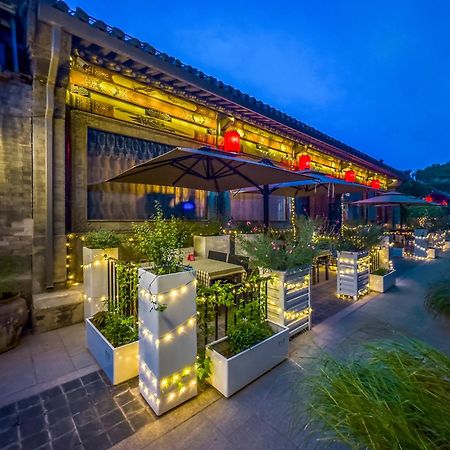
[[208, 270]]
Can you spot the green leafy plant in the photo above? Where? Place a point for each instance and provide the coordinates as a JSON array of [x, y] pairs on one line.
[[437, 298], [294, 253], [116, 328], [247, 333], [381, 272], [160, 242], [359, 238], [395, 395], [203, 366], [100, 239]]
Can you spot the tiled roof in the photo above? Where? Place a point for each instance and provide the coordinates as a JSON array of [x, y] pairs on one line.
[[215, 90]]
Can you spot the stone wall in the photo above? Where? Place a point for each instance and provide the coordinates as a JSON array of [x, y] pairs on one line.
[[16, 212]]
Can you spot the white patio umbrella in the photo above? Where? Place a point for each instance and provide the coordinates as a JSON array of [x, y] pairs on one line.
[[394, 198], [209, 170]]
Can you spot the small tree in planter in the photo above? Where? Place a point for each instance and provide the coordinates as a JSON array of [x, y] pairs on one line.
[[112, 334], [98, 247], [253, 346], [353, 260], [289, 265], [167, 317]]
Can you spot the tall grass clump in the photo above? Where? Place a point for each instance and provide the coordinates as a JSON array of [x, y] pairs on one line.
[[437, 299], [396, 395]]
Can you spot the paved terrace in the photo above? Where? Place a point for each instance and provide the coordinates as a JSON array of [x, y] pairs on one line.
[[53, 395]]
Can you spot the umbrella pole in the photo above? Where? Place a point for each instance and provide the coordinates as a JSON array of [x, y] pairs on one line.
[[266, 193]]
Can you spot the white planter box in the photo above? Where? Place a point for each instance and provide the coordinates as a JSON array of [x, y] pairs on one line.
[[431, 253], [397, 252], [447, 245], [420, 243], [229, 375], [119, 364], [352, 274], [240, 239], [203, 244], [168, 339], [95, 278], [289, 298], [381, 283]]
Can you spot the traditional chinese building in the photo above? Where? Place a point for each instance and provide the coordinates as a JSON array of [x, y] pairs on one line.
[[82, 101]]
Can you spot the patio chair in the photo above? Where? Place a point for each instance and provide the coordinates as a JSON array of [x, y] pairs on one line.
[[218, 256], [240, 260]]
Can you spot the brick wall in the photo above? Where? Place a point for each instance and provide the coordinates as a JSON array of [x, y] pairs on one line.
[[16, 217]]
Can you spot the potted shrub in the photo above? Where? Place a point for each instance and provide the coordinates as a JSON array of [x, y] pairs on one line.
[[288, 264], [112, 334], [353, 261], [13, 307], [382, 279], [98, 246], [167, 316], [211, 238], [253, 346]]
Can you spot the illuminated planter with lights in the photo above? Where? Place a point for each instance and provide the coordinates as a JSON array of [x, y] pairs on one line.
[[203, 244], [168, 339], [381, 283], [447, 245], [420, 243], [431, 253], [353, 274], [289, 298], [230, 374], [119, 363], [95, 278]]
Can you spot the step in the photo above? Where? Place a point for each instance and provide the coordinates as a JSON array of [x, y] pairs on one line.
[[57, 309]]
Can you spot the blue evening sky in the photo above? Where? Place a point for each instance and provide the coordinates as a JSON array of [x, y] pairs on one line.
[[374, 74]]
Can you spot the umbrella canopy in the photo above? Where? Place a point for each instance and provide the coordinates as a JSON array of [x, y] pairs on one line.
[[318, 183], [209, 170], [394, 199]]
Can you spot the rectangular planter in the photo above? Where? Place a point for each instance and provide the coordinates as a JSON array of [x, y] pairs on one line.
[[95, 278], [352, 274], [203, 244], [447, 245], [289, 298], [420, 243], [431, 253], [381, 283], [229, 375], [168, 339], [240, 239], [119, 364]]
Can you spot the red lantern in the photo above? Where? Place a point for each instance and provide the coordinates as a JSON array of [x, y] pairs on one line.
[[375, 184], [444, 203], [350, 176], [304, 162], [232, 141], [428, 198]]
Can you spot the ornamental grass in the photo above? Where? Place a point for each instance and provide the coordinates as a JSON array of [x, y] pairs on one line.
[[395, 396], [437, 299]]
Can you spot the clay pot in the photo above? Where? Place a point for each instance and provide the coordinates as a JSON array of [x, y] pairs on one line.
[[13, 316]]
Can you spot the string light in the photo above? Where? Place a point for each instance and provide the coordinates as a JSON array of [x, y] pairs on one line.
[[169, 336]]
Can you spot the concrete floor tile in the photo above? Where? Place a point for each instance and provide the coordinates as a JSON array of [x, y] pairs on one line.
[[82, 359], [52, 364]]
